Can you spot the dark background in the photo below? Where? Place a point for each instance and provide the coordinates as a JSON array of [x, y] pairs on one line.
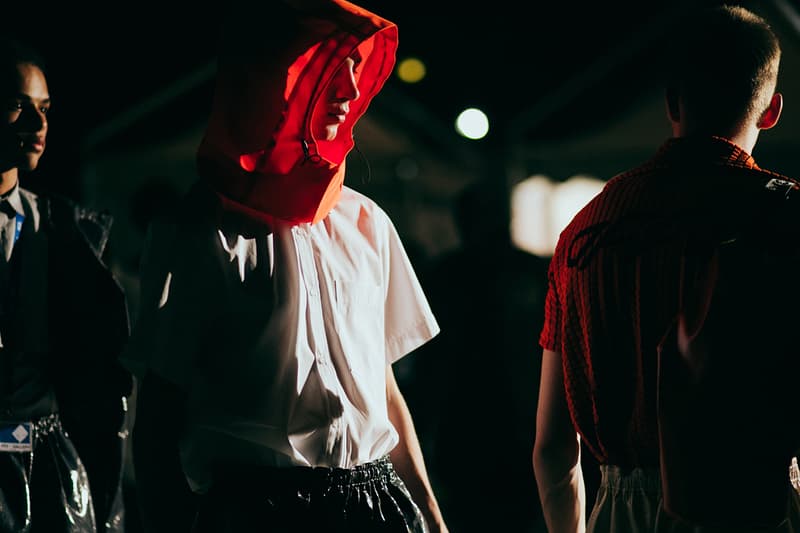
[[540, 70], [570, 88]]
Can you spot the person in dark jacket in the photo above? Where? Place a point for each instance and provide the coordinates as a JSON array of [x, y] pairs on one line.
[[63, 323]]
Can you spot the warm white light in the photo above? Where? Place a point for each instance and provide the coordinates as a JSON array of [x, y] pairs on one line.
[[542, 208], [472, 123], [570, 197], [530, 215]]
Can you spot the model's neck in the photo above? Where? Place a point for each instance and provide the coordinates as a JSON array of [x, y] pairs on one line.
[[8, 180], [744, 138]]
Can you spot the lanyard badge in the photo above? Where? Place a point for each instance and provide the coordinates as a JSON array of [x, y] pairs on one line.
[[20, 218], [16, 437]]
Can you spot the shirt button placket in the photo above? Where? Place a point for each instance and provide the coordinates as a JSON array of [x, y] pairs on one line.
[[311, 283]]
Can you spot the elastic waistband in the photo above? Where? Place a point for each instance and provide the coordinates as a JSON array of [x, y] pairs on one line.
[[46, 425], [616, 478], [306, 476]]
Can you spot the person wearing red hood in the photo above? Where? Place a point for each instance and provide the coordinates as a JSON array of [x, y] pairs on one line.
[[277, 299]]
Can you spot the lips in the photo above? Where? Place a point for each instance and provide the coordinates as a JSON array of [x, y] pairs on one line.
[[32, 144], [338, 113]]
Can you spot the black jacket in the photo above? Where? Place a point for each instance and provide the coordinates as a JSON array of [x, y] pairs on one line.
[[88, 327]]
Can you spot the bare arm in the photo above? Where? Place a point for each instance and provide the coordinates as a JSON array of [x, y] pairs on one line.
[[556, 454], [165, 500], [407, 456]]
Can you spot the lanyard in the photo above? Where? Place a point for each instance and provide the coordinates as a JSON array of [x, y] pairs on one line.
[[20, 218]]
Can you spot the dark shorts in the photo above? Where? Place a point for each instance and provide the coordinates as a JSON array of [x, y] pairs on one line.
[[366, 498], [45, 490]]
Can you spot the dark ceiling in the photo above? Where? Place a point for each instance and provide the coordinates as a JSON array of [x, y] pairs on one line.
[[502, 56], [505, 56], [538, 69]]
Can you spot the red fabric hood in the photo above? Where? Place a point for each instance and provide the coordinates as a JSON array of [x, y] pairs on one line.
[[275, 62]]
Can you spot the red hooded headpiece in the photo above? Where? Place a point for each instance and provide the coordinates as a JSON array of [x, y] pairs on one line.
[[276, 61]]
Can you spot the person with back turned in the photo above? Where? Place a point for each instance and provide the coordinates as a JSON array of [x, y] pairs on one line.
[[630, 273]]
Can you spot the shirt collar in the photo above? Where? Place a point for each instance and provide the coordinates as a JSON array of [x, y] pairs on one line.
[[14, 199], [711, 149]]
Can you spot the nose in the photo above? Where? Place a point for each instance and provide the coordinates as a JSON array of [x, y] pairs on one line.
[[351, 87], [33, 120], [346, 83]]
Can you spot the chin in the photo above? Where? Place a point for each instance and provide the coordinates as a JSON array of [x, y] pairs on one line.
[[329, 133], [29, 163]]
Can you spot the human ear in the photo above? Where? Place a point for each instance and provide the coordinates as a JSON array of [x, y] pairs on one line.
[[771, 115]]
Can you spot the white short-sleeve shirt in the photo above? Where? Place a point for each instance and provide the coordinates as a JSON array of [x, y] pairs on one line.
[[281, 341]]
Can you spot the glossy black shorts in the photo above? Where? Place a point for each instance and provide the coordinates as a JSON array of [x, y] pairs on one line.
[[367, 498], [45, 490]]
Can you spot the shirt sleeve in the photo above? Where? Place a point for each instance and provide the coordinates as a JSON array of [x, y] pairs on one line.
[[550, 337], [173, 311], [409, 321]]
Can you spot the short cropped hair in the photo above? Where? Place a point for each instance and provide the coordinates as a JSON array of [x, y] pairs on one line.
[[12, 53], [725, 67]]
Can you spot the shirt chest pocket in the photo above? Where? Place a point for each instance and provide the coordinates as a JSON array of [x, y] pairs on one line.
[[359, 321], [358, 298]]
